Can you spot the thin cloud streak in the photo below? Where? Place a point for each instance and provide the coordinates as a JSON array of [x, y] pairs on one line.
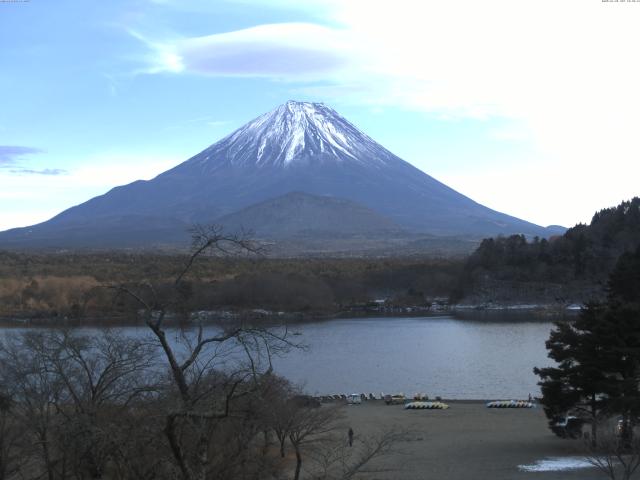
[[10, 154], [44, 171], [11, 161]]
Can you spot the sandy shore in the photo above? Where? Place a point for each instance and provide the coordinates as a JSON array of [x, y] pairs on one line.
[[467, 441]]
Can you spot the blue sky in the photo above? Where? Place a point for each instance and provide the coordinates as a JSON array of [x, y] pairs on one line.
[[532, 108]]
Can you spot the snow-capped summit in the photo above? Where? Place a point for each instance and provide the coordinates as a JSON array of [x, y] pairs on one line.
[[294, 133], [344, 179]]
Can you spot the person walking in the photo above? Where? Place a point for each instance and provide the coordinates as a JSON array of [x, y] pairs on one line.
[[350, 434]]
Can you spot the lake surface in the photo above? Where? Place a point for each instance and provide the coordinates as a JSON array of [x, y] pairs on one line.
[[491, 357], [445, 356]]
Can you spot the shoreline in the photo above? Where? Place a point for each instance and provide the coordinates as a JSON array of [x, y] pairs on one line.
[[453, 401], [221, 317]]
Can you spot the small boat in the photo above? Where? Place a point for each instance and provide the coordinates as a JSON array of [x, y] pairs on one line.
[[426, 406], [510, 404]]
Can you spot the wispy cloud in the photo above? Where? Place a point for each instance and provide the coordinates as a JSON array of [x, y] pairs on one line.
[[44, 171], [11, 154], [162, 56], [284, 51], [12, 161]]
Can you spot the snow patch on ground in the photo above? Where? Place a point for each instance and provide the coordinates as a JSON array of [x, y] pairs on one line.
[[557, 464]]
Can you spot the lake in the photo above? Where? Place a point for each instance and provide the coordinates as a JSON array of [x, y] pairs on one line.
[[481, 357], [441, 355]]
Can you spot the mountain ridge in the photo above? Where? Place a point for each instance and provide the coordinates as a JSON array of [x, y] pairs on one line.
[[297, 147]]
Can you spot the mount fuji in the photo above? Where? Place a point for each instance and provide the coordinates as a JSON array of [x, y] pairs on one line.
[[301, 169]]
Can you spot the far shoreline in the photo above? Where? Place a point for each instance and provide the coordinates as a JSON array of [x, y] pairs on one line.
[[543, 312]]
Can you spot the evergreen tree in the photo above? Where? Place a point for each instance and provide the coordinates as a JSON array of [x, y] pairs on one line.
[[620, 337], [578, 383], [598, 355]]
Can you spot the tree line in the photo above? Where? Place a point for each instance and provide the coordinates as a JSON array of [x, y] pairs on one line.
[[573, 266], [71, 285]]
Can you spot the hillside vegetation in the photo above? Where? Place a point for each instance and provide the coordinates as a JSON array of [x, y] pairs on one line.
[[72, 285], [568, 268]]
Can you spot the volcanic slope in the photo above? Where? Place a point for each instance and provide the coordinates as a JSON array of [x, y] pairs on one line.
[[297, 147]]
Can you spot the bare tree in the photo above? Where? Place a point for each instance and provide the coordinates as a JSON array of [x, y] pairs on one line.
[[613, 455], [279, 409], [102, 376], [204, 389], [334, 460], [11, 436], [71, 392], [310, 424], [35, 392]]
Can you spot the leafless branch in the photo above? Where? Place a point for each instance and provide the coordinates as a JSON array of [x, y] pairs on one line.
[[213, 238], [613, 456]]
